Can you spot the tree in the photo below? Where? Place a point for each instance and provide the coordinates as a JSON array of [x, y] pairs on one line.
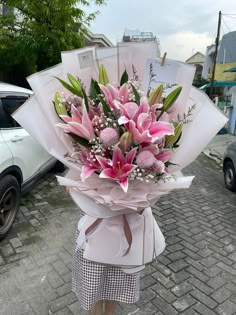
[[34, 32]]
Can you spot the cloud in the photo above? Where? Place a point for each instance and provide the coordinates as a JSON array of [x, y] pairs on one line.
[[182, 45], [181, 25]]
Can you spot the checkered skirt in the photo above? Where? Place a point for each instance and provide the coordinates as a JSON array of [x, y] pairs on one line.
[[92, 282]]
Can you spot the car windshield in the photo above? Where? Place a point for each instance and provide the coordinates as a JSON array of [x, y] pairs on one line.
[[8, 105]]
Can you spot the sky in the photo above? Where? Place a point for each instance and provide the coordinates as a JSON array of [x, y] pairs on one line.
[[184, 27]]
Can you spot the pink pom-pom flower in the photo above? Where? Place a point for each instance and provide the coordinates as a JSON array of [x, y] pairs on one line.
[[109, 137], [145, 159]]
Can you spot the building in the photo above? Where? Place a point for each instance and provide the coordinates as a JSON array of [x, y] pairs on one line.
[[208, 62], [197, 60], [137, 36], [99, 40], [226, 59], [227, 49]]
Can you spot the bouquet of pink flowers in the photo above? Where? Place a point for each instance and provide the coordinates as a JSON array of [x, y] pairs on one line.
[[119, 132], [125, 140]]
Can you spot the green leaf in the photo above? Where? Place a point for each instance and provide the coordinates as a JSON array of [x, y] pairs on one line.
[[148, 92], [60, 108], [176, 145], [124, 78], [103, 76], [80, 140], [106, 107], [169, 163], [136, 95], [75, 84], [97, 87], [94, 89], [171, 98], [68, 86]]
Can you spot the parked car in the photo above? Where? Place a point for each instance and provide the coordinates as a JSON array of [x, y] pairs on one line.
[[229, 167], [22, 159]]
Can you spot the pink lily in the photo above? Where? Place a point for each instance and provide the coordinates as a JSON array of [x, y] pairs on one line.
[[90, 162], [78, 124], [160, 129], [124, 93], [108, 96], [75, 115], [139, 136], [119, 167], [153, 148], [147, 131], [131, 111], [114, 93], [164, 155]]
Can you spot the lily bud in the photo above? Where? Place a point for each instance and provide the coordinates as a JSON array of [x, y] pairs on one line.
[[171, 98], [171, 140], [155, 96], [59, 106], [125, 141], [103, 76], [75, 83]]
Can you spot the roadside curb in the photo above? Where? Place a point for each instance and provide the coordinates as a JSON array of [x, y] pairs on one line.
[[216, 148]]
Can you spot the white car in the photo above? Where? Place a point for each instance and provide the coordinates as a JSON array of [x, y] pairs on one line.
[[229, 166], [22, 159]]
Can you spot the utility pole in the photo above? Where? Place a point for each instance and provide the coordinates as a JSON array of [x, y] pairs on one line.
[[215, 55]]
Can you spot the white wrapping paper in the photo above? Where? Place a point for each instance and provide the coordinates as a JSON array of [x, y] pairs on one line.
[[104, 198]]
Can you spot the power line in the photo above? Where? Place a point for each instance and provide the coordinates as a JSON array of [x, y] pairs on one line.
[[226, 25], [223, 31], [228, 14], [231, 17]]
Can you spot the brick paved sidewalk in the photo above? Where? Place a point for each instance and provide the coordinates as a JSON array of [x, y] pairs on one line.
[[195, 275]]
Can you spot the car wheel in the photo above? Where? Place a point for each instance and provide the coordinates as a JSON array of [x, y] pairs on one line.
[[230, 176], [9, 203]]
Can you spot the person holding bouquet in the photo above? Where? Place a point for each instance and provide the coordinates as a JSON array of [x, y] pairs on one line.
[[124, 148]]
